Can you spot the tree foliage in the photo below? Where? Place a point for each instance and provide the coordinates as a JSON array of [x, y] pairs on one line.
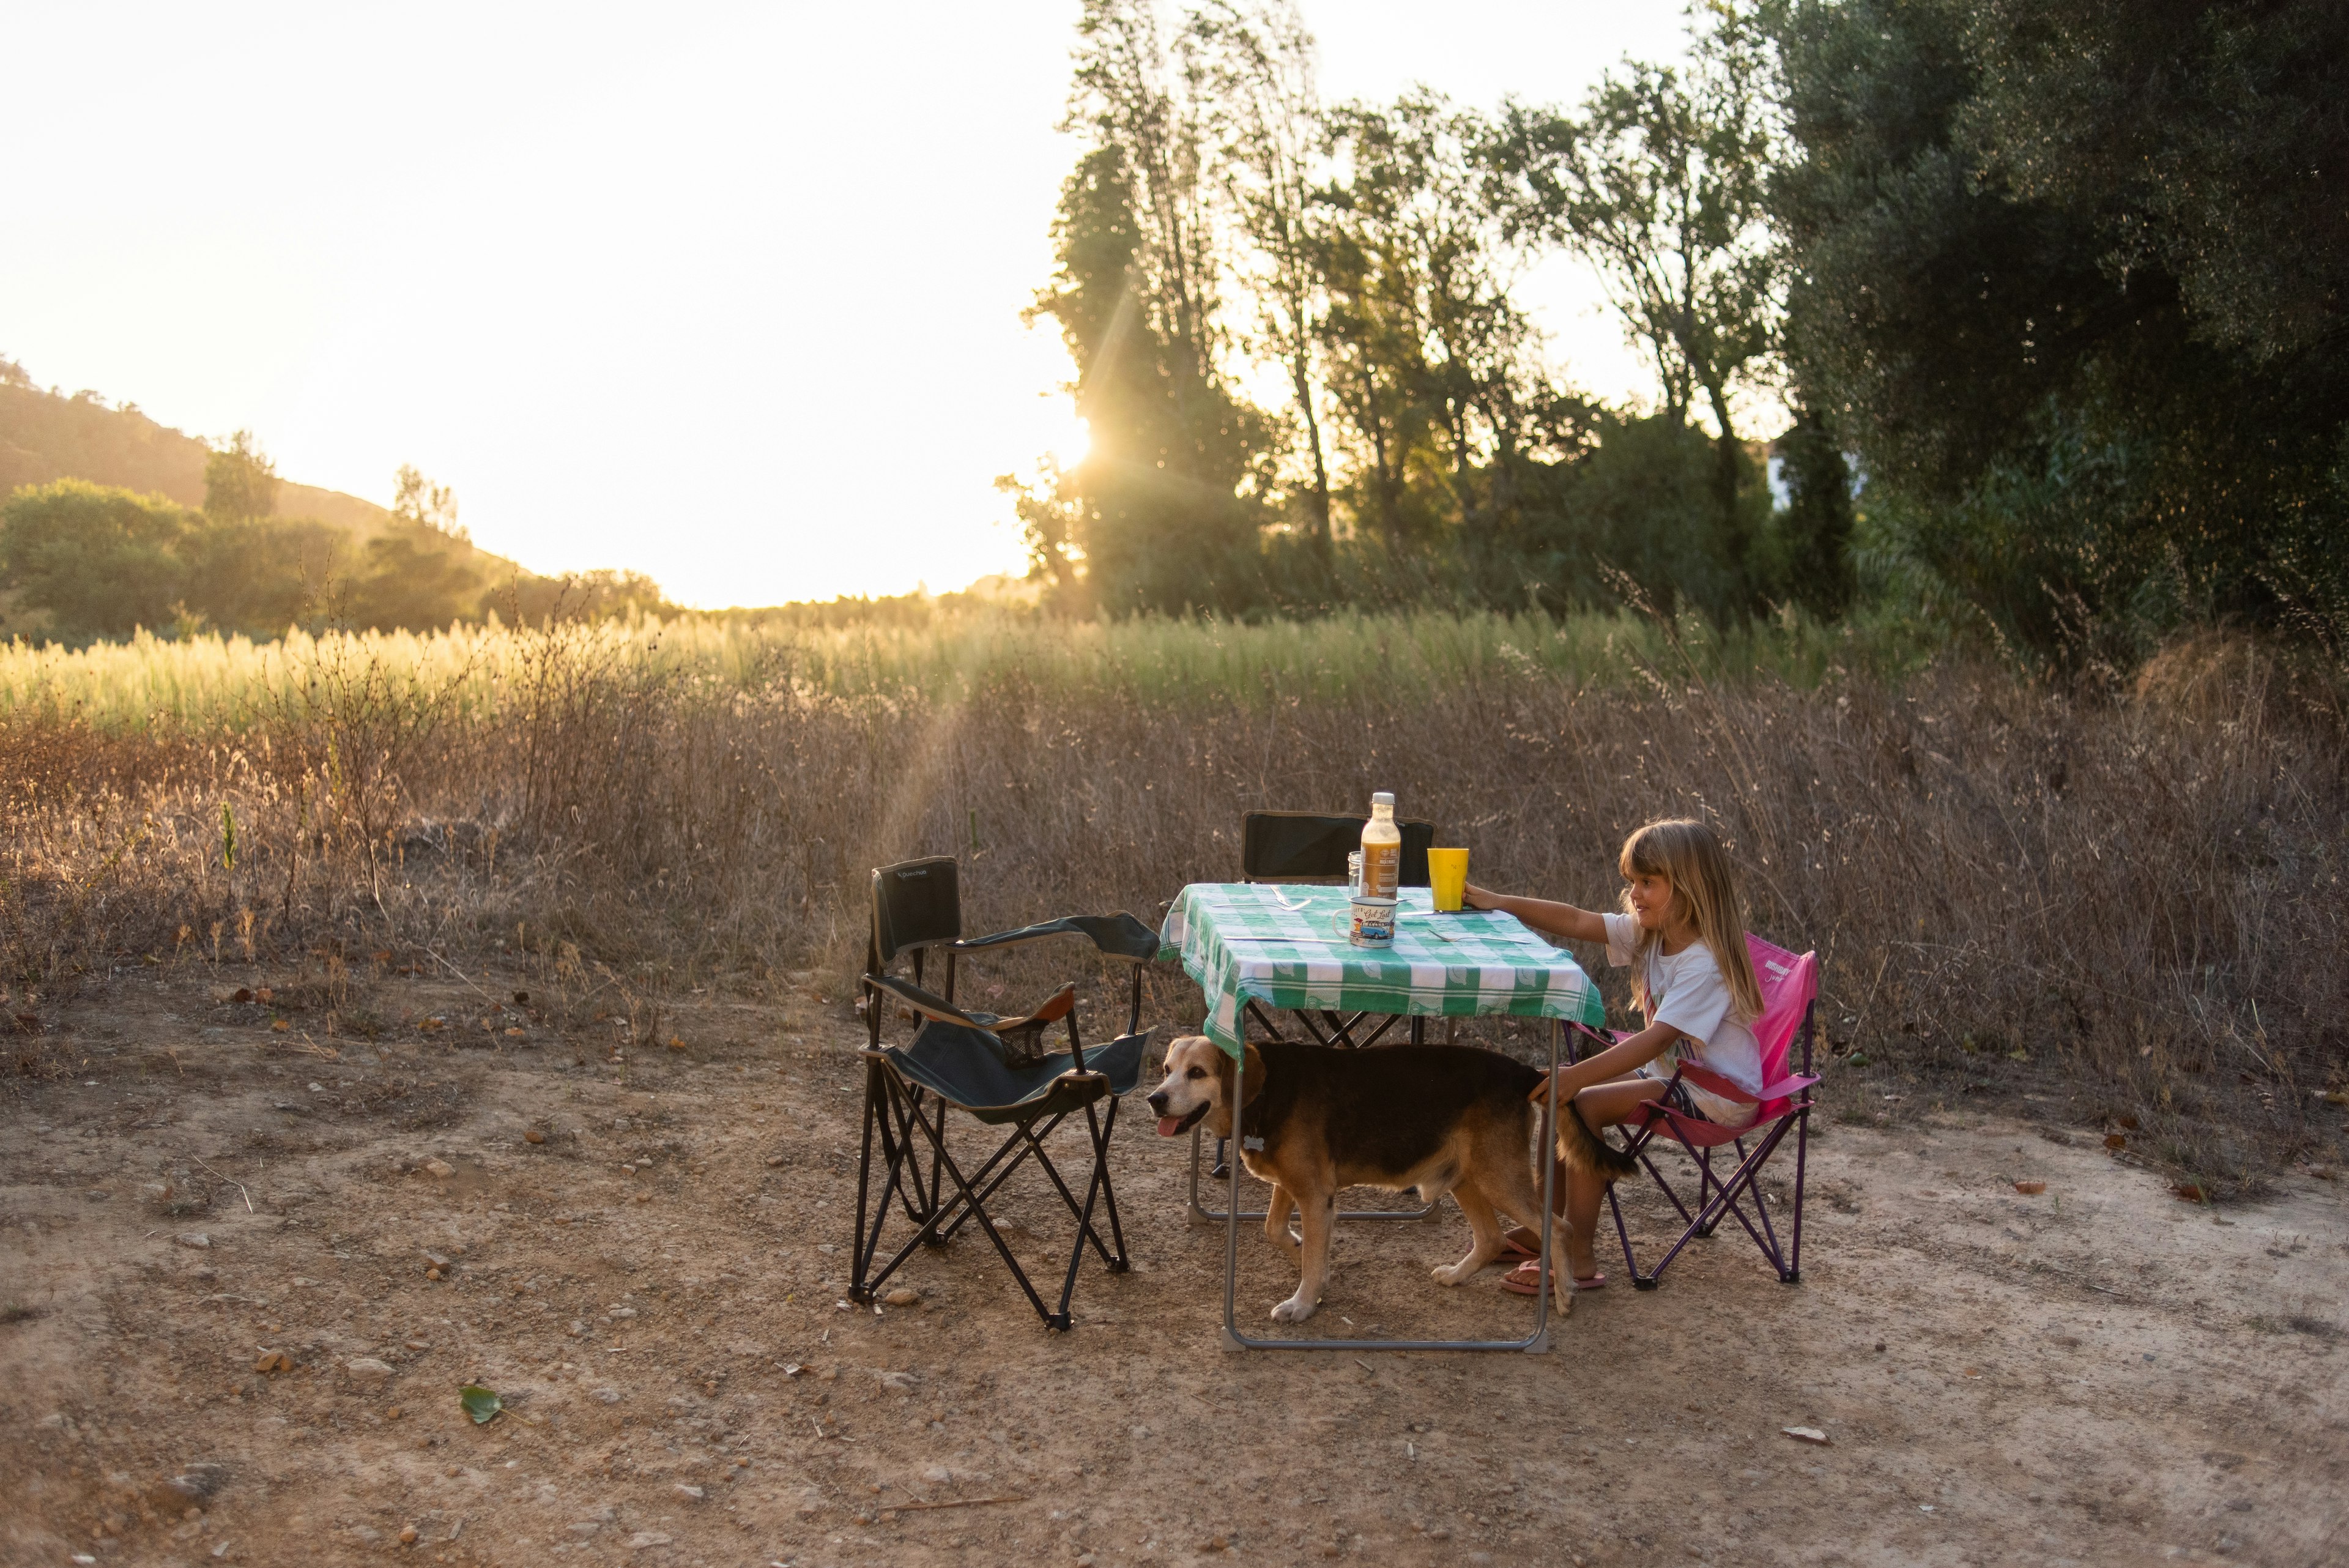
[[2067, 281], [240, 483], [81, 562], [2071, 279], [1224, 231]]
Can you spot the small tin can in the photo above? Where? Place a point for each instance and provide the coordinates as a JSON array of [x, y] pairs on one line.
[[1373, 923]]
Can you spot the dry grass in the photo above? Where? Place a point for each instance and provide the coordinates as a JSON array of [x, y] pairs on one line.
[[2131, 900]]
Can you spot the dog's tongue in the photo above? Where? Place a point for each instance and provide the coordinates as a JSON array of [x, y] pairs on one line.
[[1169, 1126]]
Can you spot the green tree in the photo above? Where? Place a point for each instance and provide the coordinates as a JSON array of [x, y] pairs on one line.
[[1661, 183], [98, 562], [420, 503], [261, 575], [1169, 498], [1258, 68], [239, 483], [2073, 281], [1437, 369], [421, 571]]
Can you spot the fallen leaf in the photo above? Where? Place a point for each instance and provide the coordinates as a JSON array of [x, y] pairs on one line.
[[676, 1044], [2031, 1188], [533, 1136], [282, 1025], [2186, 1191], [273, 1361], [264, 994], [2129, 1123], [480, 1403], [1805, 1434], [2115, 1140], [243, 994]]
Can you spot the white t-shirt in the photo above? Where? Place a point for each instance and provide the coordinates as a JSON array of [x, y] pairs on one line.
[[1688, 990]]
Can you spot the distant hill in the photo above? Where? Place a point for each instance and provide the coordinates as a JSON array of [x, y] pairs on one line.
[[45, 436], [102, 531]]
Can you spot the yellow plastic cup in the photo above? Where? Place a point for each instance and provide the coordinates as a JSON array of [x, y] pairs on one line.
[[1447, 877]]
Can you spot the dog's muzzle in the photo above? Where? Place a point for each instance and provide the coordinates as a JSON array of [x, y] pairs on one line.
[[1171, 1126]]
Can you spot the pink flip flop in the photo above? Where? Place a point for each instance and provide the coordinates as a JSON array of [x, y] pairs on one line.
[[1526, 1279]]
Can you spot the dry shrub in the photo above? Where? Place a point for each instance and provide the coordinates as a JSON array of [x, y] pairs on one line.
[[2001, 877]]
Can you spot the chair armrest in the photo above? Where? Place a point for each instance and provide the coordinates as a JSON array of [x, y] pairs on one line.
[[927, 1004], [1787, 1088], [1117, 936]]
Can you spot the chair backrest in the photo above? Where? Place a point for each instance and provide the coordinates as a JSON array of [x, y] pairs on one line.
[[915, 903], [1286, 846], [1788, 985]]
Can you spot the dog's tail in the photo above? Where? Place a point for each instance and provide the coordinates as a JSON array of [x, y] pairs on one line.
[[1586, 1151]]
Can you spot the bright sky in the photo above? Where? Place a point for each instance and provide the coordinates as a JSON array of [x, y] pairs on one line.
[[728, 294]]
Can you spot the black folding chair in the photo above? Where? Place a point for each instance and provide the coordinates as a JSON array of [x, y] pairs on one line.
[[993, 1069]]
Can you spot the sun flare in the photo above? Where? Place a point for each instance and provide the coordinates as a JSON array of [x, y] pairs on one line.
[[1072, 441]]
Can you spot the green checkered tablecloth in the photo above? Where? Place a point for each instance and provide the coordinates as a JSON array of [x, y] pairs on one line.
[[1286, 946]]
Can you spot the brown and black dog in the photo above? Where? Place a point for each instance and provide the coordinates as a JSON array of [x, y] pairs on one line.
[[1442, 1119]]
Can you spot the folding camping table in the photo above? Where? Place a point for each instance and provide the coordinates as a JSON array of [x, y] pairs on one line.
[[1286, 946]]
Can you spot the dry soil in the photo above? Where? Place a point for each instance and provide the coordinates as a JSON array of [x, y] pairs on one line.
[[225, 1341]]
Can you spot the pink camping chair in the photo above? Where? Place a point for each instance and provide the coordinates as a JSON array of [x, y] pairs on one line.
[[1790, 988]]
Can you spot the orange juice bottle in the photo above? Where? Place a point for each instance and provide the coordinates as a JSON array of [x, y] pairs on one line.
[[1381, 849]]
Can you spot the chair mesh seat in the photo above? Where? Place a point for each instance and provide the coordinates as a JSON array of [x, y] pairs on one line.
[[968, 1069]]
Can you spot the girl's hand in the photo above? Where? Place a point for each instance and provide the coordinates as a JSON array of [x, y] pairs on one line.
[[1472, 896]]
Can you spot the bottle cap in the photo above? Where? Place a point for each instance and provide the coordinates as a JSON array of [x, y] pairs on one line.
[[1383, 798]]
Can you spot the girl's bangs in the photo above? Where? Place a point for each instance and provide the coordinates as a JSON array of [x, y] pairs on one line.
[[1641, 856]]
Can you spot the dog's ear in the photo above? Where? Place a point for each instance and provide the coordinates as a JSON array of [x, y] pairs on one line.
[[1254, 1073]]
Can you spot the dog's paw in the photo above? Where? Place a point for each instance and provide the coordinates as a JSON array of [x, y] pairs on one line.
[[1296, 1309], [1452, 1273], [1289, 1241]]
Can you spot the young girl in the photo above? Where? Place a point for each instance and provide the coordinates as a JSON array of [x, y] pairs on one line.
[[1684, 934]]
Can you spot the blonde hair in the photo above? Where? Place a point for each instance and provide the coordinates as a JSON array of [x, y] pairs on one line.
[[1691, 860]]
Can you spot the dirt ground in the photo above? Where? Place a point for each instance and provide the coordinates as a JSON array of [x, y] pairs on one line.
[[2100, 1373]]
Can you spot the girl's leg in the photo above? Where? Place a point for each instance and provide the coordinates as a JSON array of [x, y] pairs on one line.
[[1602, 1105]]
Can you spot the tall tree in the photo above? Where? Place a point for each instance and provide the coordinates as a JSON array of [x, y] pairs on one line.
[[1432, 360], [1169, 494], [2074, 281], [239, 483], [1257, 63], [1661, 183], [418, 503]]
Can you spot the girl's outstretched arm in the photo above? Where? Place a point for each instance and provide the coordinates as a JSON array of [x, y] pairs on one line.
[[1541, 914], [1627, 1055]]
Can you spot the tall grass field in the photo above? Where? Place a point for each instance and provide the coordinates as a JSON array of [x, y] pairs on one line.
[[2125, 900]]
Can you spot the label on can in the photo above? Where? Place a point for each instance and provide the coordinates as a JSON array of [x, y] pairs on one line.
[[1373, 923], [1382, 870]]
